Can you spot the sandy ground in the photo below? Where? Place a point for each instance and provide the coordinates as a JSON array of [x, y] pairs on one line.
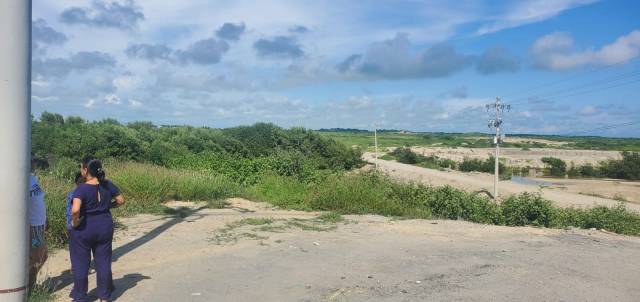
[[608, 188], [367, 258], [520, 158], [516, 139], [474, 182]]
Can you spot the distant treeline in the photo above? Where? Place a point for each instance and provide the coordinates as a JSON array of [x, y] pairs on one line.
[[355, 130], [240, 152], [394, 138]]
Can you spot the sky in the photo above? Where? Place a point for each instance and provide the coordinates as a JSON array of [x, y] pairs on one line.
[[565, 66]]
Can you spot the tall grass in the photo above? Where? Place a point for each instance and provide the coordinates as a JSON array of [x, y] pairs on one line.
[[372, 193], [282, 191], [144, 186], [56, 190]]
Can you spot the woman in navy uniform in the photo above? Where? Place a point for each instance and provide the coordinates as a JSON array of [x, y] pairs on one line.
[[92, 230]]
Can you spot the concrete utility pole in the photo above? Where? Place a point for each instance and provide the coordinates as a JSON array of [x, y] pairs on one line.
[[15, 137], [497, 123], [375, 140]]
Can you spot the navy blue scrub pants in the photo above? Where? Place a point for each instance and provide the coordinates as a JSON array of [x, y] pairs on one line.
[[94, 235]]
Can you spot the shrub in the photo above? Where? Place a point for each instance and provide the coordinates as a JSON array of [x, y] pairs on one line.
[[529, 209], [405, 155], [626, 168], [181, 146], [555, 166], [615, 219], [449, 203], [487, 166], [574, 171], [588, 171]]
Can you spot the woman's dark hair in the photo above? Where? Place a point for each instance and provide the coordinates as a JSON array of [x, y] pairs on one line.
[[79, 179], [94, 167]]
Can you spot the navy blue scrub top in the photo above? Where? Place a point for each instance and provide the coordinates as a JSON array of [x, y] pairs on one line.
[[88, 194]]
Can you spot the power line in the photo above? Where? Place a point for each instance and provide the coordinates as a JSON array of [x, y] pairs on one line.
[[615, 78], [589, 86], [561, 80], [587, 91], [602, 128]]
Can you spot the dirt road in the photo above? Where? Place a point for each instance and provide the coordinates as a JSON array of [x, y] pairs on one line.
[[474, 182], [220, 255]]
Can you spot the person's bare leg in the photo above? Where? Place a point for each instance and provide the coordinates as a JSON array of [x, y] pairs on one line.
[[37, 258]]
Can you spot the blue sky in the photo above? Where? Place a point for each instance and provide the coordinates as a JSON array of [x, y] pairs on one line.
[[565, 65]]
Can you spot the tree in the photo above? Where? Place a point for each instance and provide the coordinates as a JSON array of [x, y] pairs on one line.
[[52, 119], [75, 120]]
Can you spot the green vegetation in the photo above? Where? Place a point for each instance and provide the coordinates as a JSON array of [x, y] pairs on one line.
[[487, 166], [406, 156], [626, 168], [240, 153], [145, 186], [555, 166], [247, 228], [364, 139], [331, 217], [371, 193], [392, 138], [41, 293], [290, 168], [531, 209], [602, 143]]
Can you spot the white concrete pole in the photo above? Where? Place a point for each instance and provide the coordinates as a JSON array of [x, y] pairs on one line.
[[15, 145], [496, 176]]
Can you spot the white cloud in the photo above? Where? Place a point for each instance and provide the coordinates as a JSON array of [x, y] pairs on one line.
[[241, 88], [526, 12], [89, 103], [557, 41], [44, 98], [556, 51], [112, 99], [135, 103]]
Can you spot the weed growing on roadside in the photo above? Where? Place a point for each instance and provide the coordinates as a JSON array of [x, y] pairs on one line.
[[41, 293]]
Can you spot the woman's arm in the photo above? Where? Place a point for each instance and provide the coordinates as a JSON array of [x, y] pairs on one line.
[[119, 200], [115, 191], [75, 212]]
